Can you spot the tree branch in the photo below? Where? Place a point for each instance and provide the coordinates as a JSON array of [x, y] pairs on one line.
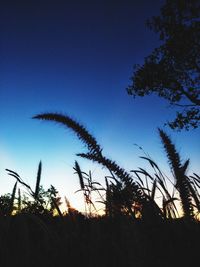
[[193, 99], [182, 105]]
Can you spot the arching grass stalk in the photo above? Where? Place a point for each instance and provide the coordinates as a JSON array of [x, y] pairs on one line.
[[134, 193], [179, 170]]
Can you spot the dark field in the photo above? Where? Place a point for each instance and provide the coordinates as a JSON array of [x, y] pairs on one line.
[[32, 240]]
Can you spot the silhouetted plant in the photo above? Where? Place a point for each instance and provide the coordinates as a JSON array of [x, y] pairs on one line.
[[194, 189], [88, 187], [155, 186], [42, 202], [19, 207], [179, 169], [37, 187], [80, 131], [11, 206], [133, 191], [5, 201]]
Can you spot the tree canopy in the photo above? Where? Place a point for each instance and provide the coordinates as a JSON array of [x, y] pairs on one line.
[[172, 70]]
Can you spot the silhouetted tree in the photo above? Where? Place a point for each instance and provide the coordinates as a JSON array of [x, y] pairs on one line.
[[5, 204], [172, 71]]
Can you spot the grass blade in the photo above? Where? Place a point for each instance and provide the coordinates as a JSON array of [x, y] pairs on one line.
[[37, 187]]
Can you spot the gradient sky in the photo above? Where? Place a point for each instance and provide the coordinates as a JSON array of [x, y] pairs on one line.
[[77, 57]]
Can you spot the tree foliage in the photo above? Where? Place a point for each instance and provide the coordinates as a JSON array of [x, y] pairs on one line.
[[172, 71]]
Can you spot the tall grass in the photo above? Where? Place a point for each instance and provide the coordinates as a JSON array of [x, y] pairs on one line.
[[183, 184], [137, 193], [130, 196], [131, 193]]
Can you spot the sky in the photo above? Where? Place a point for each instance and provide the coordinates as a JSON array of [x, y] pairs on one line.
[[76, 58]]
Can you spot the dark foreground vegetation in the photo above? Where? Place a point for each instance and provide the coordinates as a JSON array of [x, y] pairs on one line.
[[144, 222], [32, 240]]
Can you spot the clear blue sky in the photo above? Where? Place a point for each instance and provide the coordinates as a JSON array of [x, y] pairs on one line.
[[77, 57]]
